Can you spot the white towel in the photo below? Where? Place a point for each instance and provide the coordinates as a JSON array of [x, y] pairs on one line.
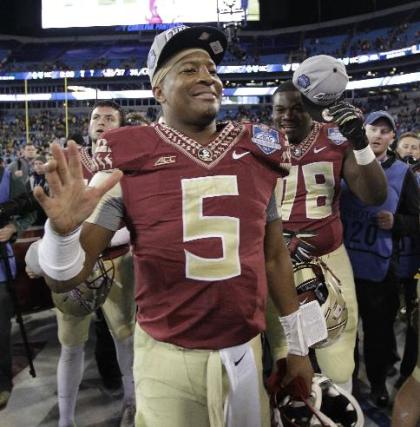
[[242, 407]]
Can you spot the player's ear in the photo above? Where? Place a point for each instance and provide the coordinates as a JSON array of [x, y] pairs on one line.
[[158, 94]]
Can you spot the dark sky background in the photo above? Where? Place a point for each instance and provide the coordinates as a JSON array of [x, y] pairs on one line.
[[23, 17]]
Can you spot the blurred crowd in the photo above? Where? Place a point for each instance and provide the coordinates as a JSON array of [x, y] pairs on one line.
[[354, 43], [48, 126]]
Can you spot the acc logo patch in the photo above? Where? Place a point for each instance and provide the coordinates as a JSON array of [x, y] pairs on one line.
[[266, 139], [303, 81], [335, 136]]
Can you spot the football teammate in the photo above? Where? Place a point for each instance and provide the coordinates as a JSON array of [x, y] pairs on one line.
[[322, 154], [198, 201], [119, 307]]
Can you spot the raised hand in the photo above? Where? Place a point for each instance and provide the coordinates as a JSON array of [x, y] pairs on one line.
[[350, 122], [70, 201]]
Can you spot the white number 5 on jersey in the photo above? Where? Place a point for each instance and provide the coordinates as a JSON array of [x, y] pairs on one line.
[[198, 226]]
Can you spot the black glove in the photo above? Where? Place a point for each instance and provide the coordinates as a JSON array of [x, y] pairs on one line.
[[350, 123]]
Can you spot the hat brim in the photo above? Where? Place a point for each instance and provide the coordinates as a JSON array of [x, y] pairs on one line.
[[193, 38], [383, 117]]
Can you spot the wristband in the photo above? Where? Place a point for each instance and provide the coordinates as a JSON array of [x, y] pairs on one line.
[[61, 257], [304, 328], [364, 156], [292, 326], [121, 237], [32, 258]]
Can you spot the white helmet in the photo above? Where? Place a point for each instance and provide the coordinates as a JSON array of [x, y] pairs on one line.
[[89, 295], [328, 405], [315, 281], [84, 298]]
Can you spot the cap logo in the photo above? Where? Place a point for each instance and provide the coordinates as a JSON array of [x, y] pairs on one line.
[[320, 96], [151, 60], [204, 36], [216, 47], [170, 33], [303, 81]]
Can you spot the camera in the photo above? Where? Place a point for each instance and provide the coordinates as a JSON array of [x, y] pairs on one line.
[[20, 205]]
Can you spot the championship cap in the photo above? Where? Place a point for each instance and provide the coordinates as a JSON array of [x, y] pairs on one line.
[[176, 39], [321, 79], [376, 115]]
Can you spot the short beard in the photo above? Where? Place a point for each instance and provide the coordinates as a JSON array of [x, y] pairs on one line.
[[206, 118]]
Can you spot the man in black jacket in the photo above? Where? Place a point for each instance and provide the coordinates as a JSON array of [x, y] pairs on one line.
[[10, 188]]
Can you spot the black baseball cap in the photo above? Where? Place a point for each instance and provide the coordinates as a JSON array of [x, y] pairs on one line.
[[176, 39]]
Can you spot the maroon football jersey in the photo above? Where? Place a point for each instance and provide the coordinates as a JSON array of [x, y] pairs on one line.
[[89, 168], [197, 216], [87, 163], [310, 193]]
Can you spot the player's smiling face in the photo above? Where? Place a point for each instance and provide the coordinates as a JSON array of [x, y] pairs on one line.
[[289, 113], [192, 90]]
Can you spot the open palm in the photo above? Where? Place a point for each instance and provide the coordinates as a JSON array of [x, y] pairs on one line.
[[70, 201]]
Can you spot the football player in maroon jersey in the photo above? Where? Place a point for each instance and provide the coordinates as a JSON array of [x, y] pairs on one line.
[[207, 239], [118, 309], [322, 154]]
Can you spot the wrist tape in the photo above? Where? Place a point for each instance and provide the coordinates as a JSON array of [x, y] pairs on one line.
[[292, 326], [304, 328], [61, 257], [364, 156]]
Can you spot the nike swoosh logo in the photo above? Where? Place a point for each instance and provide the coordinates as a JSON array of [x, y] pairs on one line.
[[239, 360], [236, 156], [317, 150]]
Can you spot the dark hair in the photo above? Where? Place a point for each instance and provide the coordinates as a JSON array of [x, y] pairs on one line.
[[135, 118], [78, 138], [41, 158], [111, 104], [286, 86]]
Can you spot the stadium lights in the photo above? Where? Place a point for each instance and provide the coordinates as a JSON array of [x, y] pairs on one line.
[[222, 69], [81, 88], [88, 94]]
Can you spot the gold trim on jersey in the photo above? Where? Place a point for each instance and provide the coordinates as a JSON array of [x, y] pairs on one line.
[[208, 155], [299, 150], [87, 160]]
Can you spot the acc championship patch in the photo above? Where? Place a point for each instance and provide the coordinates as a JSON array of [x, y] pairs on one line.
[[267, 139], [335, 136]]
